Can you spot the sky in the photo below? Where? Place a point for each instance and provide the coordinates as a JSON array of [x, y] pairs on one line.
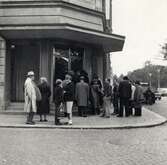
[[144, 25]]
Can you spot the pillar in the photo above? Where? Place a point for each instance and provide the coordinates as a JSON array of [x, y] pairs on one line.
[[45, 64], [2, 73]]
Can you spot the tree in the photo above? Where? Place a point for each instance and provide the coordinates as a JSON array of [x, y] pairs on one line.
[[143, 74], [164, 50]]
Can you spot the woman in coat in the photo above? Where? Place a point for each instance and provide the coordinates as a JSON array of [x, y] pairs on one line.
[[43, 107], [30, 97]]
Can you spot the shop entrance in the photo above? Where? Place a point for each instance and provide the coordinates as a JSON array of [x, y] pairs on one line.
[[67, 59]]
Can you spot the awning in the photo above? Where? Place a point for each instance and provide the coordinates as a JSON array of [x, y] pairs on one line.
[[109, 42]]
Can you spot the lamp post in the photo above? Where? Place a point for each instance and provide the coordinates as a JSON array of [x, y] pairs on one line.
[[158, 70], [150, 74]]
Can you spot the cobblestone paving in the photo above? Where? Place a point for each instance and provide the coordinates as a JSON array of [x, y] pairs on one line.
[[83, 147], [144, 146]]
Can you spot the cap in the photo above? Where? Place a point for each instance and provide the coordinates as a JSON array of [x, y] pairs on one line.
[[30, 73]]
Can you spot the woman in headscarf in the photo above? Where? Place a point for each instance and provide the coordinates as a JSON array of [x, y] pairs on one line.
[[43, 106]]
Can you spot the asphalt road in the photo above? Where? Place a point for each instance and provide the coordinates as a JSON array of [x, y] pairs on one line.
[[143, 146]]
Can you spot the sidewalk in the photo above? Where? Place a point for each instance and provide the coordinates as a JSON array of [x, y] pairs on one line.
[[148, 119]]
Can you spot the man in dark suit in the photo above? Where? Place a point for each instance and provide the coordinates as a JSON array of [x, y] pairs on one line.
[[125, 92]]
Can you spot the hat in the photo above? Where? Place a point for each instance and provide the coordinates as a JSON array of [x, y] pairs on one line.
[[30, 73], [82, 78], [58, 81], [44, 79]]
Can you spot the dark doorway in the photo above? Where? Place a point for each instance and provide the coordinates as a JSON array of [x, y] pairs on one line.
[[24, 57], [68, 59]]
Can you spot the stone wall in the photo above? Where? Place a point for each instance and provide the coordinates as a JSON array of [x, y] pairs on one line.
[[2, 73], [47, 14]]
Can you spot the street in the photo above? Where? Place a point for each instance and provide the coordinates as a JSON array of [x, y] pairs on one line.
[[142, 146]]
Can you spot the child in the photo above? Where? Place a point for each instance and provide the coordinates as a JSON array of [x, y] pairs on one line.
[[58, 100]]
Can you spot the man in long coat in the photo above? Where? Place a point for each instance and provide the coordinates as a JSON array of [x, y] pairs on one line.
[[82, 96], [125, 92], [30, 97]]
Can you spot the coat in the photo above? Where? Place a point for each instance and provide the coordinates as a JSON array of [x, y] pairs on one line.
[[43, 106], [68, 91], [58, 94], [138, 97], [82, 94], [125, 90], [29, 96], [95, 96]]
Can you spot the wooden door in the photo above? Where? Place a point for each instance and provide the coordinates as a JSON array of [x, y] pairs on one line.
[[24, 58]]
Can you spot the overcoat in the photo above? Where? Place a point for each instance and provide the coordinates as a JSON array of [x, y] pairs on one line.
[[138, 97], [125, 90], [95, 97], [44, 105], [82, 94], [29, 96]]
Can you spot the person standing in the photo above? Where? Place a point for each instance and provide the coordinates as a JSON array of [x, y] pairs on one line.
[[125, 92], [131, 101], [138, 97], [68, 96], [30, 97], [107, 98], [58, 100], [115, 98], [43, 106], [95, 97], [82, 96]]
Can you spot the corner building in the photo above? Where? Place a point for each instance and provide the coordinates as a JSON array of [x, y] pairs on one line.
[[33, 31]]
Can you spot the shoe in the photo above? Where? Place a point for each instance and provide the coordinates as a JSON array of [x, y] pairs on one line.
[[107, 116], [102, 115], [113, 113], [58, 123], [119, 116], [45, 120], [28, 122], [32, 123], [41, 120], [84, 116], [70, 122]]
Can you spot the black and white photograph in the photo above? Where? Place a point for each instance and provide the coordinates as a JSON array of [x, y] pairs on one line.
[[83, 82]]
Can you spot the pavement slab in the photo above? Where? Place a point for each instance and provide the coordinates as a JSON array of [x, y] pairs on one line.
[[148, 119]]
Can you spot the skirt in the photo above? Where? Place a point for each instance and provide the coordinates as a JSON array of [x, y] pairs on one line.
[[69, 105]]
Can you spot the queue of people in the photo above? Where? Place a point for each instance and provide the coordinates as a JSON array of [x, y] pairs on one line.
[[95, 97]]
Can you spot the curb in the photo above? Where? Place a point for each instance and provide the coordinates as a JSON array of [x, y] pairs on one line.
[[84, 127]]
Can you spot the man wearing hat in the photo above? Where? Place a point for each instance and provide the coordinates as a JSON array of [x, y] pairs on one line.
[[82, 96], [30, 97]]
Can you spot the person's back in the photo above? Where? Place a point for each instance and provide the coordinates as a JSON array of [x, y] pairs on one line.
[[125, 90], [82, 93], [82, 96]]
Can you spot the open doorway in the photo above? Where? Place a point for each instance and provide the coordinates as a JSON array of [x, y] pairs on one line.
[[67, 59]]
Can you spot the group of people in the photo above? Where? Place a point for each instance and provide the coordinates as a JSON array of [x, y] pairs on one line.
[[127, 96], [94, 97]]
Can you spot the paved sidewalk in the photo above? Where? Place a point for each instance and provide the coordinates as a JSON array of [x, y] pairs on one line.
[[148, 119]]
